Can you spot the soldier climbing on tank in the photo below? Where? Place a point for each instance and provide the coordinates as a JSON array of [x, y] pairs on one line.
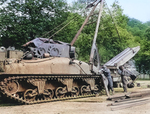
[[124, 73], [106, 72]]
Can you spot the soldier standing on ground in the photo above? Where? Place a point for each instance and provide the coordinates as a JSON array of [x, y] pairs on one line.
[[124, 73], [106, 72]]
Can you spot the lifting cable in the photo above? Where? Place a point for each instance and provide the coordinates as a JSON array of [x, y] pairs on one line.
[[53, 29], [63, 26], [61, 29], [113, 19], [59, 26]]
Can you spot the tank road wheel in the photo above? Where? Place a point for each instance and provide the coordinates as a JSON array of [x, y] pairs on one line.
[[85, 90], [75, 91], [96, 89], [48, 94], [30, 95], [60, 92], [12, 87]]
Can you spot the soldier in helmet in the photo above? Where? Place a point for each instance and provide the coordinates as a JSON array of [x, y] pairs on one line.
[[106, 72]]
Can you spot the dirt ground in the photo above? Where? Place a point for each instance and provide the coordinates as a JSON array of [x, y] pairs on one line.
[[92, 105]]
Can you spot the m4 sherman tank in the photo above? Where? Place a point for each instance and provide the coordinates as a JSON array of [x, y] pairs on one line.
[[47, 71], [37, 80]]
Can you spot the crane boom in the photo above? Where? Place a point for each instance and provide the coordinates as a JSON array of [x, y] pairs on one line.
[[85, 22]]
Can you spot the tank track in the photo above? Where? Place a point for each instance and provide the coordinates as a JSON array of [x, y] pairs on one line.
[[41, 77]]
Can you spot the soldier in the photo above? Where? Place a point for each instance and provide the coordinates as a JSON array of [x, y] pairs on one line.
[[106, 72], [124, 73]]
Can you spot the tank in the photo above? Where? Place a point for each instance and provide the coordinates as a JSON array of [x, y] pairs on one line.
[[47, 79], [47, 71]]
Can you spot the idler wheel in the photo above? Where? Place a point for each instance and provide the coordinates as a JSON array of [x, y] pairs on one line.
[[60, 92], [48, 94], [30, 95], [75, 91], [11, 87]]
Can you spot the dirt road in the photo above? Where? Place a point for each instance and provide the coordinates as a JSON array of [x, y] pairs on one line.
[[92, 105], [73, 107]]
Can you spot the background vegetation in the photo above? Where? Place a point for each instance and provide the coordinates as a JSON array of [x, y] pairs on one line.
[[24, 20]]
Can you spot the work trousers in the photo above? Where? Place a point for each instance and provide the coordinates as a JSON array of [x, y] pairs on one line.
[[124, 82], [110, 83]]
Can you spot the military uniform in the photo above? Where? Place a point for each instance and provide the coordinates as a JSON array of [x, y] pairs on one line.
[[106, 72], [124, 73]]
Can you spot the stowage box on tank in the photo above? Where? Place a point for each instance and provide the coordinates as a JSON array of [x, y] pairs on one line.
[[14, 54]]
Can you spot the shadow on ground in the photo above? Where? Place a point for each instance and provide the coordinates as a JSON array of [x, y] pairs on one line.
[[7, 102]]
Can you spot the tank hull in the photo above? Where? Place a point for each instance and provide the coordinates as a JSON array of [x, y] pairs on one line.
[[52, 65], [36, 81]]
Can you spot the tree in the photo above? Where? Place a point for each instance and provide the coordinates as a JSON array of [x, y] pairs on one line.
[[109, 42], [136, 27], [113, 36], [85, 1], [141, 32], [147, 23], [74, 21], [24, 20], [147, 34], [143, 58]]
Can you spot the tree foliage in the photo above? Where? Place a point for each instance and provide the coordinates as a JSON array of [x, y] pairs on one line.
[[141, 31], [24, 20]]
